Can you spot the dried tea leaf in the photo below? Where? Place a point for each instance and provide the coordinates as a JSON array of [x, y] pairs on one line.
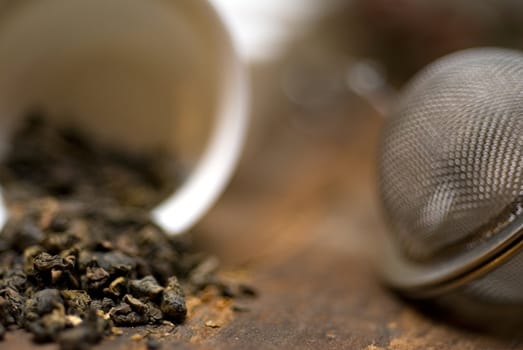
[[76, 301], [173, 301], [47, 262], [79, 253], [48, 327], [95, 278], [43, 302], [117, 287], [146, 287], [136, 304], [124, 315], [154, 313], [115, 262], [104, 304], [12, 307], [90, 332]]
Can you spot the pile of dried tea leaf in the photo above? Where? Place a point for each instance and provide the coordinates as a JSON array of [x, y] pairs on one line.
[[79, 255]]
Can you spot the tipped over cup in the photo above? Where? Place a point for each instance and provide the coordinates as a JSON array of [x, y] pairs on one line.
[[136, 74]]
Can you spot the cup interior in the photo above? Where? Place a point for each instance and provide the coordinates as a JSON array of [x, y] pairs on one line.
[[139, 75]]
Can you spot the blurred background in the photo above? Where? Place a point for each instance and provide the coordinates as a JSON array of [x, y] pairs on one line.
[[301, 214], [324, 74], [311, 58]]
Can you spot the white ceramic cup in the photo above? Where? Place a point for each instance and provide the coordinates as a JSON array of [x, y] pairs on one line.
[[139, 74]]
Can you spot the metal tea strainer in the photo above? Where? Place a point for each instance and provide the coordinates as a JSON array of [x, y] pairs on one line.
[[451, 179]]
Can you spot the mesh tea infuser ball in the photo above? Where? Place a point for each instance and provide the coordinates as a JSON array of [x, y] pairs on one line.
[[451, 179]]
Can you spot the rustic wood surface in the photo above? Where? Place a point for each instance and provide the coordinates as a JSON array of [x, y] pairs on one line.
[[299, 223]]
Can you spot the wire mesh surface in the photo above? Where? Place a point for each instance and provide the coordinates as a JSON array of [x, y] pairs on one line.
[[451, 159], [502, 285]]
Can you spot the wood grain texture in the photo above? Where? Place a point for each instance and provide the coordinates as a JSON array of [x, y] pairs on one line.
[[300, 220]]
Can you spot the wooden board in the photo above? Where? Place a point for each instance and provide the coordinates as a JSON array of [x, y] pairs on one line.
[[300, 221]]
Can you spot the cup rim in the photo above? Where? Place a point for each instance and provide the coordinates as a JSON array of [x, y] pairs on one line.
[[212, 173]]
